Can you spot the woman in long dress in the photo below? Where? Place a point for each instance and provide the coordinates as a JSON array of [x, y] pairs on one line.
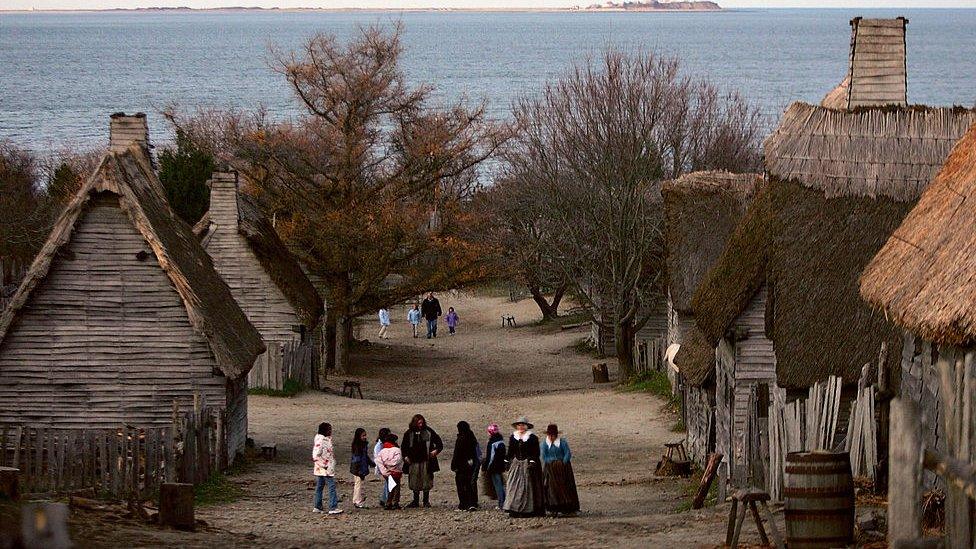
[[558, 478], [523, 492]]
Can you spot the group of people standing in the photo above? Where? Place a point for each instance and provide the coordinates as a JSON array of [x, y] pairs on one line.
[[527, 477], [428, 311]]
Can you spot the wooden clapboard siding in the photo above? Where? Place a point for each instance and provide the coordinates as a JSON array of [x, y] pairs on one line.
[[755, 360], [878, 73], [260, 298], [724, 403], [236, 417], [699, 419], [921, 384], [105, 338]]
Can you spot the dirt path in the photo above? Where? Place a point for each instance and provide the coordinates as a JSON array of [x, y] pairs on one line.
[[485, 373]]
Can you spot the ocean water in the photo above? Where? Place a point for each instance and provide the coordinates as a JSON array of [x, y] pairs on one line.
[[62, 74]]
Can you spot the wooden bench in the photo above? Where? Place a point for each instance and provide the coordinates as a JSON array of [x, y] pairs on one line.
[[352, 388], [508, 320], [747, 498]]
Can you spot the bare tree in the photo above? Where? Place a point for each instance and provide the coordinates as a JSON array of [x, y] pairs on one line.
[[591, 151], [371, 187]]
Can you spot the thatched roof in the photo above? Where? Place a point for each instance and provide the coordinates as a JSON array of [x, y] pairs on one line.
[[696, 358], [700, 211], [280, 264], [923, 276], [878, 73], [739, 272], [234, 342], [868, 152], [837, 97]]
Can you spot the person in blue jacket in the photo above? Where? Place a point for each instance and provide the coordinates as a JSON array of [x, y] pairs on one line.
[[557, 476], [413, 317]]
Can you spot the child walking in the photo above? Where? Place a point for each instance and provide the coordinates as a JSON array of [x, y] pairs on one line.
[[359, 465], [384, 324], [390, 464], [413, 317], [452, 320], [323, 458]]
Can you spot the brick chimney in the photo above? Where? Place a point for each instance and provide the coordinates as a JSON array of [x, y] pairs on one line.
[[126, 130]]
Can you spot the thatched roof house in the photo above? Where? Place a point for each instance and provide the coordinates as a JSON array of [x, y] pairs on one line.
[[265, 278], [122, 312], [841, 182], [922, 276], [701, 210]]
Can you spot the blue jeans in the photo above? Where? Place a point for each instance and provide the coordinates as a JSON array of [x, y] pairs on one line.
[[496, 479], [385, 492], [320, 483], [431, 328]]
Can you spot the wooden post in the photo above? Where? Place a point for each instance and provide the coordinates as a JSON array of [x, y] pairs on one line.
[[9, 483], [706, 482], [905, 478], [176, 505], [600, 373]]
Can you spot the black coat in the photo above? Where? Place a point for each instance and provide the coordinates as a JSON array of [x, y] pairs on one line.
[[416, 449], [465, 456], [430, 309], [517, 449]]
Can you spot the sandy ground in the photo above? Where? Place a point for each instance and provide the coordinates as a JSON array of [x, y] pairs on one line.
[[485, 373]]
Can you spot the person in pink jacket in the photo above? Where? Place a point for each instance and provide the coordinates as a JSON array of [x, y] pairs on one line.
[[389, 463], [323, 459]]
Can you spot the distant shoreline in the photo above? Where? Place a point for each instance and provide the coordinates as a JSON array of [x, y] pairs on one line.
[[361, 10]]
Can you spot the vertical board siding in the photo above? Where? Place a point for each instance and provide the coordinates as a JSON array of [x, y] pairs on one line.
[[105, 337]]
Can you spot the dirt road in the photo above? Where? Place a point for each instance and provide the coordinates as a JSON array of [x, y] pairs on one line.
[[485, 373]]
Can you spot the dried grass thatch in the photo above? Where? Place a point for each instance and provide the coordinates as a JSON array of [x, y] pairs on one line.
[[696, 358], [924, 275], [739, 272], [212, 310], [867, 152], [817, 321], [700, 211], [280, 264]]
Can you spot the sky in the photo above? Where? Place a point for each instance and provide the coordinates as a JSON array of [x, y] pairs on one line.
[[406, 4]]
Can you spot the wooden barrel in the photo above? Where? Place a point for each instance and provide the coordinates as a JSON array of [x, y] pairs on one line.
[[819, 494]]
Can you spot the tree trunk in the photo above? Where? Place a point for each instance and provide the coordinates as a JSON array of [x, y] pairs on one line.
[[548, 311], [624, 334], [557, 298], [330, 340], [343, 342]]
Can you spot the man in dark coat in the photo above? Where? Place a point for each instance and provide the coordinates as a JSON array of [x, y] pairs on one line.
[[430, 309], [420, 448]]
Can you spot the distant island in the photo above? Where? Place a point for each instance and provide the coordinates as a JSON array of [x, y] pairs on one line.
[[655, 5]]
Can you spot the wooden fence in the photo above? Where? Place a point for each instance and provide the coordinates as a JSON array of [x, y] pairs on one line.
[[649, 356], [910, 454], [124, 463], [284, 361]]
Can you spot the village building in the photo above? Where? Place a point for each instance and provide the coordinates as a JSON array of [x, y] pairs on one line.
[[122, 315], [265, 279], [922, 280], [701, 210]]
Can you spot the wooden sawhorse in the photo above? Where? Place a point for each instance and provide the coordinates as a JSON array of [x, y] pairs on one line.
[[748, 498]]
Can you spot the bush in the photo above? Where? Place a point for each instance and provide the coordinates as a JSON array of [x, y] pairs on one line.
[[290, 388], [184, 172]]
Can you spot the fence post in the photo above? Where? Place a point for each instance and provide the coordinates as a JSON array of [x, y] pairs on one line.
[[905, 466]]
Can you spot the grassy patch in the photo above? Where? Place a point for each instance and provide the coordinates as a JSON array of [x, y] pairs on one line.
[[657, 383], [678, 427], [692, 488], [289, 389], [583, 346], [217, 490]]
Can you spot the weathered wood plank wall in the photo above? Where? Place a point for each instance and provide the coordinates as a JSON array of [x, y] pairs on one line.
[[105, 339]]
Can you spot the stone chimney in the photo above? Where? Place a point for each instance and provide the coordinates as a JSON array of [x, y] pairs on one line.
[[878, 74], [126, 130]]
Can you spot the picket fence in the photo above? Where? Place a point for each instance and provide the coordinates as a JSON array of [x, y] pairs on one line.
[[123, 463], [284, 361], [649, 356]]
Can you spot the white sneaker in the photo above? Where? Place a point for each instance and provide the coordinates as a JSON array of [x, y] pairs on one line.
[[316, 510], [335, 511]]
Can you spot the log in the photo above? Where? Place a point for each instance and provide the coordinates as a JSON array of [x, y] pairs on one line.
[[10, 483], [176, 505], [45, 525], [711, 468], [600, 373]]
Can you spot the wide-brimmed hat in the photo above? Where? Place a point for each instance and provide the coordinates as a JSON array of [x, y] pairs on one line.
[[524, 420]]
